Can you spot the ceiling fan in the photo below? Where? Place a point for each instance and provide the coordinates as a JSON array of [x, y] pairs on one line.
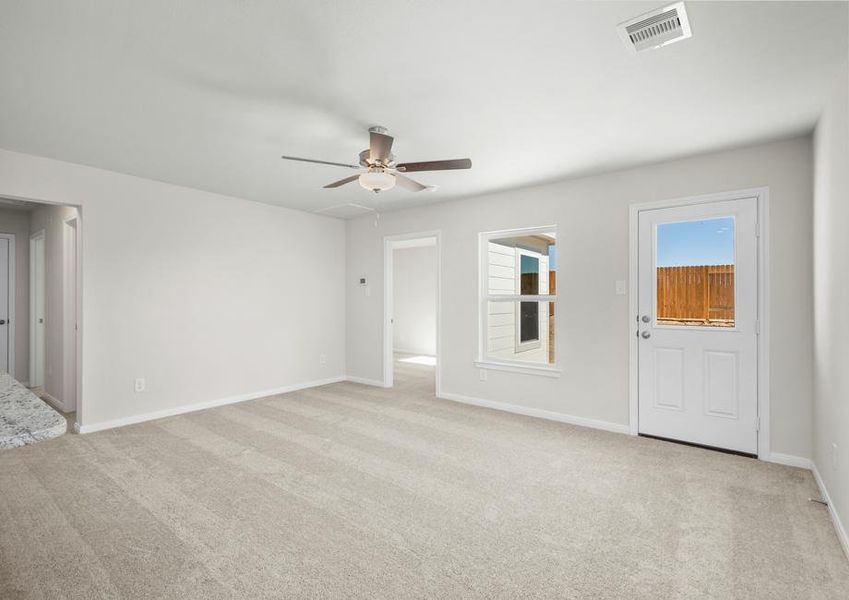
[[382, 172]]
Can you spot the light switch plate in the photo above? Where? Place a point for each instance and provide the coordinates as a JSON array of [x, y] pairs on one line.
[[621, 287]]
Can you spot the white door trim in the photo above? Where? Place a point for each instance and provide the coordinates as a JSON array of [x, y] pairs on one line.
[[389, 242], [12, 293], [38, 235], [70, 312], [762, 195]]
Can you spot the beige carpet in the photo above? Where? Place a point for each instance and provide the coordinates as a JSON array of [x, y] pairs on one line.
[[348, 491]]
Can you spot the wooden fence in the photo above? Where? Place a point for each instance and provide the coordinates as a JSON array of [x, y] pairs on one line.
[[703, 294]]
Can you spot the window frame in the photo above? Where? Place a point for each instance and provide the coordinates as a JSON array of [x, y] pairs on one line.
[[484, 359]]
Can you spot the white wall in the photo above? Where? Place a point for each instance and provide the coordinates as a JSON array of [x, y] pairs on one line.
[[205, 296], [593, 324], [51, 219], [831, 294], [17, 222], [414, 275]]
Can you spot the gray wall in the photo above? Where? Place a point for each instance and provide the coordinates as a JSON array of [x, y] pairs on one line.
[[208, 297], [831, 293], [593, 324], [415, 300]]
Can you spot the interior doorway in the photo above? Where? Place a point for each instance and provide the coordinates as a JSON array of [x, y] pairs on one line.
[[41, 307], [697, 267], [411, 308]]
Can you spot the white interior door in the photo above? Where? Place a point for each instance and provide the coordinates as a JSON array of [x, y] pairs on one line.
[[698, 297], [4, 304], [37, 310]]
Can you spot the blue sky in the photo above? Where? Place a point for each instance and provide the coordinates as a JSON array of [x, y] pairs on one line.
[[709, 242]]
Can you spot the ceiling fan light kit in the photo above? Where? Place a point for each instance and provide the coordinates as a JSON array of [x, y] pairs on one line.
[[382, 172], [377, 180]]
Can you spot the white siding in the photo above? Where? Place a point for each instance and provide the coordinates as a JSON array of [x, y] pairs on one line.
[[501, 327]]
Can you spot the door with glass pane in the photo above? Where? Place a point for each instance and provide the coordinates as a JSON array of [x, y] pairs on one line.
[[697, 324]]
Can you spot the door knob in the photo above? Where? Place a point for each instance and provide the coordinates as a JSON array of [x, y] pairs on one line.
[[646, 335], [2, 321], [646, 318]]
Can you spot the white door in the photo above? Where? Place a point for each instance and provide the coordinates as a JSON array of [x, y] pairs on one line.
[[37, 307], [4, 304], [697, 298]]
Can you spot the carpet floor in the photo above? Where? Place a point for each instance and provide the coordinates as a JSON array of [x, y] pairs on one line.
[[348, 491]]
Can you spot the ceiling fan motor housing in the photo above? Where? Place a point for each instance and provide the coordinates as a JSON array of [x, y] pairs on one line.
[[365, 160]]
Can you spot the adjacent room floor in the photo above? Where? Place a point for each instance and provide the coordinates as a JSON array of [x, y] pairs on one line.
[[354, 491]]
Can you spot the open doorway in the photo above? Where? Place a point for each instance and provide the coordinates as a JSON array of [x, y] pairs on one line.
[[411, 301], [39, 300]]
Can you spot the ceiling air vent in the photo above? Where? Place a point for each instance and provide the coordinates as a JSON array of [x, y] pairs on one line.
[[656, 28], [345, 211]]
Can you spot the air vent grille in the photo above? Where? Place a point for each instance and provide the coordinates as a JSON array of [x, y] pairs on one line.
[[656, 28], [345, 211]]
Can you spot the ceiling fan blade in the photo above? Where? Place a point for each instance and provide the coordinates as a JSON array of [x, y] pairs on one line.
[[336, 184], [409, 184], [380, 146], [320, 162], [436, 165]]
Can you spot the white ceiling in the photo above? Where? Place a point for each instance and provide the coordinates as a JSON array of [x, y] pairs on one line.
[[209, 93]]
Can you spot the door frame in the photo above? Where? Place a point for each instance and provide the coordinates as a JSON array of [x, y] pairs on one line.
[[388, 302], [762, 196], [38, 235], [70, 312], [12, 319]]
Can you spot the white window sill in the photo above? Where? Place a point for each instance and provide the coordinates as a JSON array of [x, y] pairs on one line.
[[519, 368]]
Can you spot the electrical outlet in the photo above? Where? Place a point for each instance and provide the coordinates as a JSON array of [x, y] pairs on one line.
[[139, 385], [482, 374], [834, 456], [322, 358]]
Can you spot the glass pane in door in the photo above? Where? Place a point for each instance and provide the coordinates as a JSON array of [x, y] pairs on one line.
[[694, 266]]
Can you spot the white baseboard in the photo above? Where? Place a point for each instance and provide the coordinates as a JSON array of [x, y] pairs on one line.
[[364, 381], [413, 352], [789, 460], [537, 412], [54, 402], [835, 518], [170, 412]]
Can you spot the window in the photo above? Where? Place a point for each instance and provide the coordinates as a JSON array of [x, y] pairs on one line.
[[694, 264], [518, 280]]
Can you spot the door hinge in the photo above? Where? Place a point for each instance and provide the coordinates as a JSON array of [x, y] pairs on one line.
[[758, 327], [757, 423], [757, 229]]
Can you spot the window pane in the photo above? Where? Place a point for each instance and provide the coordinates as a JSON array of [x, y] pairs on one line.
[[695, 273], [522, 331], [521, 264], [529, 267]]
